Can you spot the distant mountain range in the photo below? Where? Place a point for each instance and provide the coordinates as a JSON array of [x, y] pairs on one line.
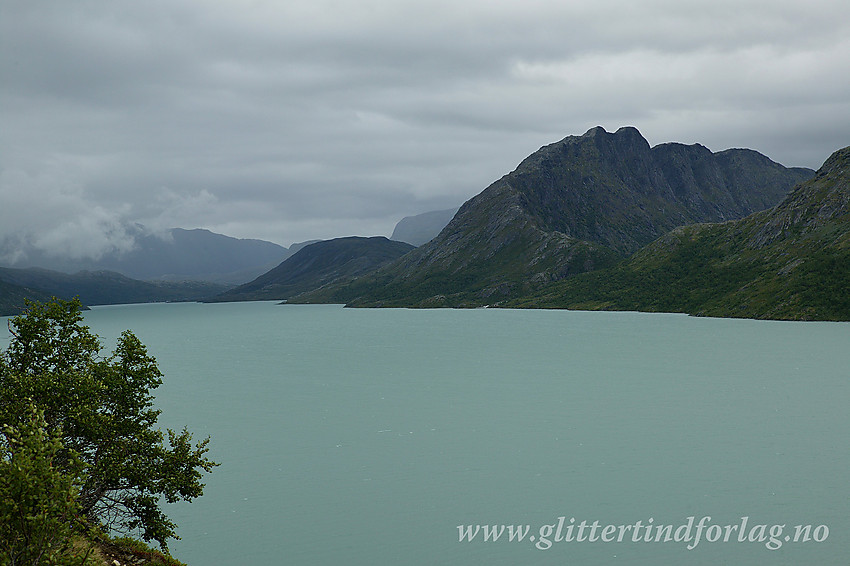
[[578, 205], [322, 263], [178, 265], [174, 255], [598, 221]]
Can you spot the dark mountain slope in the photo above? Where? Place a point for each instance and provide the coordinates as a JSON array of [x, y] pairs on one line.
[[13, 297], [319, 264], [615, 190], [105, 287], [577, 205], [789, 262]]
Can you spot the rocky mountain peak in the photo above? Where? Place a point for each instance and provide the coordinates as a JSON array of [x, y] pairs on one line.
[[572, 206]]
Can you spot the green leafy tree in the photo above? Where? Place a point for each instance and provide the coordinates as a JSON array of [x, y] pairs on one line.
[[38, 506], [105, 409]]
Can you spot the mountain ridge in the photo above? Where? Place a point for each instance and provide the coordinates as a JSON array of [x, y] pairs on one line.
[[790, 262], [580, 204]]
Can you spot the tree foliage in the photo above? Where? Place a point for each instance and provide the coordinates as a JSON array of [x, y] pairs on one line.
[[104, 407], [38, 506]]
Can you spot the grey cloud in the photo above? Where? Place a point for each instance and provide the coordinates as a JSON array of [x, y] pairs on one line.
[[299, 120]]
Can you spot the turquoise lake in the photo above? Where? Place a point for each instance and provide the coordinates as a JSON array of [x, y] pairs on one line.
[[369, 436]]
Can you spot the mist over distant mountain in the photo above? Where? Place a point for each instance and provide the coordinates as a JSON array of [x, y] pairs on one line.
[[177, 254], [422, 228]]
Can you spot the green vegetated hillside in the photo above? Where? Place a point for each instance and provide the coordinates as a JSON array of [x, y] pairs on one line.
[[93, 288], [789, 262], [322, 263], [13, 298], [578, 205]]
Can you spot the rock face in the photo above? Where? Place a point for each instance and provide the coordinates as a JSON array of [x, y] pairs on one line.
[[789, 262], [422, 228], [615, 190], [813, 208], [319, 264], [577, 205]]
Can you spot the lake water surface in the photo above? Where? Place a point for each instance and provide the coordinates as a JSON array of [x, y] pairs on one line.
[[365, 437]]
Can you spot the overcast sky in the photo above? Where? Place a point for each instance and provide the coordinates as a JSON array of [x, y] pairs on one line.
[[292, 120]]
